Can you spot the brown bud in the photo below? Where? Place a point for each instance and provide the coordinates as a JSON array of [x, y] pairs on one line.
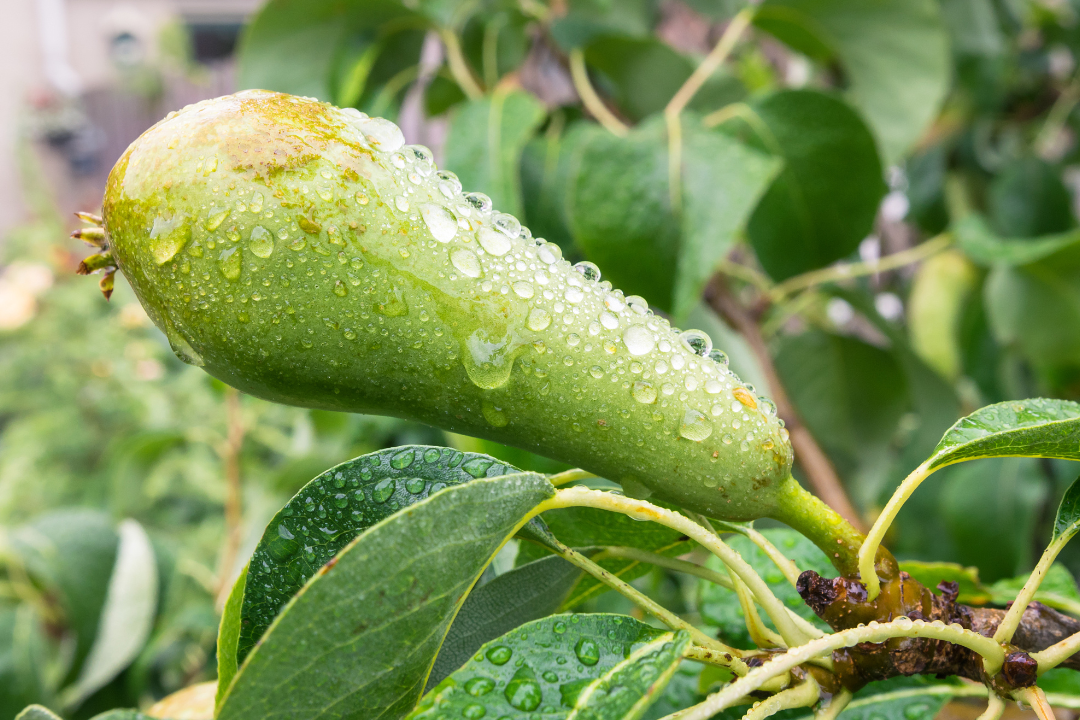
[[816, 591], [106, 285], [1020, 670]]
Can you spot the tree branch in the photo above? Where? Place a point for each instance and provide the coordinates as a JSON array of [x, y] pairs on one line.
[[819, 470]]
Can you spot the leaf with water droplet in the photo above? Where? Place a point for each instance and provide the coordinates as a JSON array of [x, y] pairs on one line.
[[376, 486], [537, 667], [396, 584]]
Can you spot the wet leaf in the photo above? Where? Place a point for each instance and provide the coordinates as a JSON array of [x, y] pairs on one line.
[[1067, 520], [1017, 428], [397, 585], [590, 666], [229, 637], [331, 510]]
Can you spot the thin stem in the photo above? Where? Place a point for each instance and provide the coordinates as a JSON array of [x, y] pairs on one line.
[[230, 454], [802, 695], [777, 612], [596, 107], [747, 274], [787, 566], [491, 47], [836, 706], [1007, 628], [762, 636], [1057, 117], [696, 570], [644, 602], [995, 706], [1034, 697], [874, 632], [846, 271], [459, 68], [675, 148], [1057, 653], [717, 658], [569, 476], [712, 61], [870, 546], [813, 460]]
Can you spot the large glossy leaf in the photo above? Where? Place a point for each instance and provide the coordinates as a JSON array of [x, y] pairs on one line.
[[894, 54], [72, 552], [127, 616], [485, 142], [1017, 428], [294, 46], [331, 510], [622, 217], [719, 606], [823, 203], [985, 247], [585, 666], [1035, 308], [530, 592], [359, 640]]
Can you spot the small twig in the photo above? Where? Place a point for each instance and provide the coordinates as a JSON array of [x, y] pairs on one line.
[[1057, 653], [569, 476], [995, 706], [712, 61], [642, 510], [819, 470], [847, 271], [459, 68], [230, 454], [596, 107], [762, 636], [644, 601], [868, 550], [786, 565], [804, 694]]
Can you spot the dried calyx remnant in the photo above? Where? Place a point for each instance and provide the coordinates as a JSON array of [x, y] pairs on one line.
[[843, 603]]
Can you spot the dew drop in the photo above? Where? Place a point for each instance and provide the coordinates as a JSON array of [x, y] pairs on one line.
[[473, 711], [643, 392], [574, 295], [549, 252], [719, 356], [638, 340], [638, 304], [339, 289], [523, 692], [588, 270], [507, 224], [523, 289], [494, 242], [494, 414], [696, 342], [383, 490], [695, 426], [440, 222], [402, 460], [402, 203], [479, 686], [466, 262], [216, 217], [767, 406], [609, 321], [230, 263], [167, 237], [499, 655], [587, 651], [614, 302], [479, 201], [538, 319], [382, 134], [261, 242]]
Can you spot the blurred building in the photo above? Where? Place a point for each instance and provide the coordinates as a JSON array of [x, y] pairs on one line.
[[81, 79]]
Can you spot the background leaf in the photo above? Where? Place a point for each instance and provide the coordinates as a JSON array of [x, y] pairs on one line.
[[894, 54], [823, 203], [562, 664], [398, 584], [983, 246]]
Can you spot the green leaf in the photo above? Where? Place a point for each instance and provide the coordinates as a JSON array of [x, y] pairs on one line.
[[1027, 199], [585, 666], [37, 712], [588, 19], [335, 507], [1067, 520], [228, 637], [1035, 308], [719, 606], [530, 592], [914, 698], [398, 585], [972, 591], [1017, 428], [973, 27], [936, 304], [126, 618], [621, 214], [485, 142], [982, 245], [24, 658], [823, 203], [894, 54], [72, 552], [295, 46]]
